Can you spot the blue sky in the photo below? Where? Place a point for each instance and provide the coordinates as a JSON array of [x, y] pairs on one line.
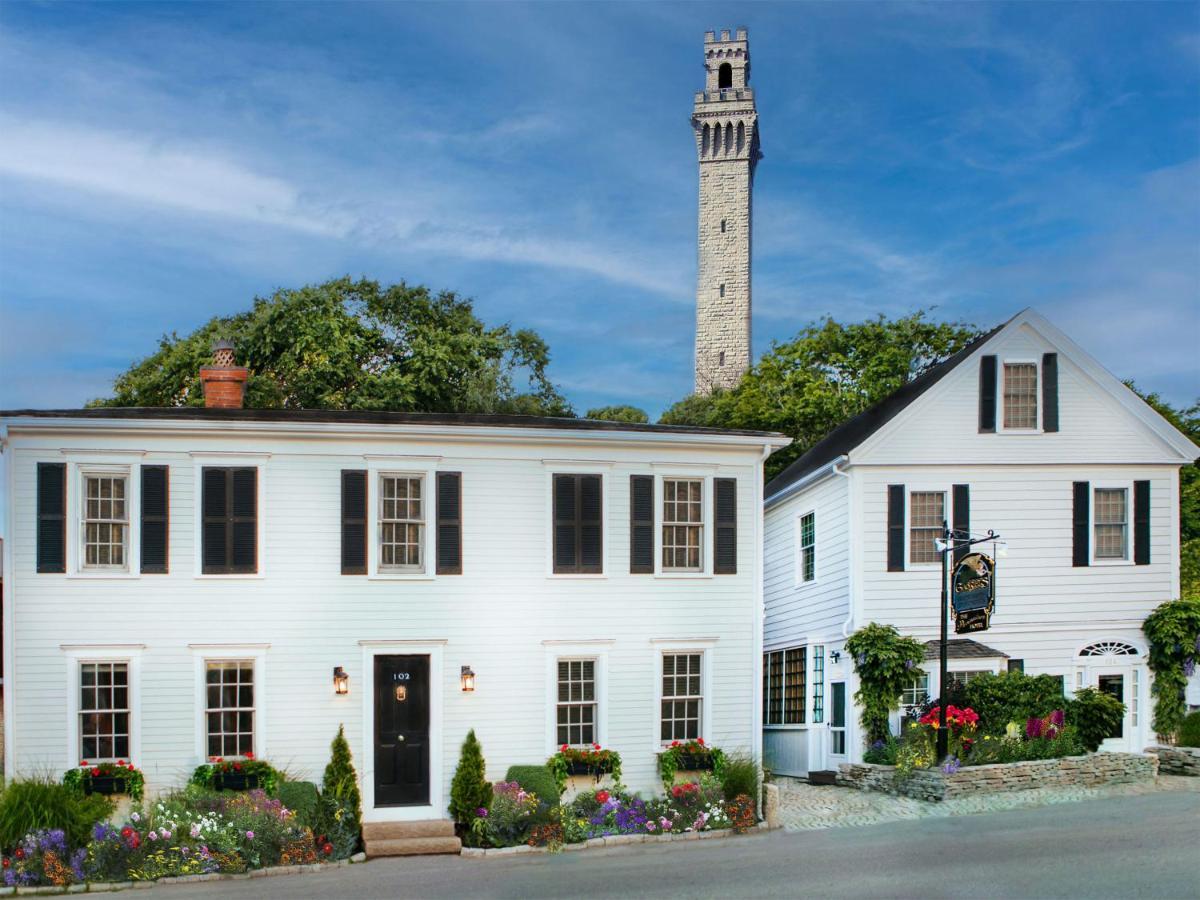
[[160, 164]]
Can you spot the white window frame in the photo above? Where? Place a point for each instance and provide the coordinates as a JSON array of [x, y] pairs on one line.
[[211, 460], [582, 467], [799, 574], [706, 646], [114, 474], [421, 568], [255, 653], [1110, 485], [76, 655], [909, 490], [408, 467], [805, 706], [597, 650], [705, 475], [100, 462], [1037, 395]]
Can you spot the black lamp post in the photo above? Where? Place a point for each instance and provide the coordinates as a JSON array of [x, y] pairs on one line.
[[951, 542]]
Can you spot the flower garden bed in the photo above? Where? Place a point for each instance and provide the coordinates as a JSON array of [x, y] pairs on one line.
[[937, 785], [1177, 760], [616, 840]]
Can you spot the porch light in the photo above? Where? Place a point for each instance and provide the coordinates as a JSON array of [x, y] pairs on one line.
[[836, 656], [341, 681], [468, 680]]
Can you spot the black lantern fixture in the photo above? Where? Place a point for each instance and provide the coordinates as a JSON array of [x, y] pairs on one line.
[[341, 681], [468, 680]]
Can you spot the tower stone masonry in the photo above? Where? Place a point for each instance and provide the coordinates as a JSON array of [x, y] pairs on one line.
[[725, 122]]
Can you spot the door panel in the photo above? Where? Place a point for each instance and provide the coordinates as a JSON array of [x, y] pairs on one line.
[[1114, 684], [402, 693], [837, 718]]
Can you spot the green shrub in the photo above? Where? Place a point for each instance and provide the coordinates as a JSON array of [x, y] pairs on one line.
[[469, 791], [885, 663], [302, 798], [37, 804], [883, 753], [536, 780], [991, 749], [1095, 715], [739, 775], [1012, 697], [341, 804], [1189, 731]]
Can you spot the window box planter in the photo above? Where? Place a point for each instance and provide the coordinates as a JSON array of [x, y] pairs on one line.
[[104, 784], [595, 770], [243, 773], [695, 762], [234, 781], [594, 762], [690, 756], [106, 778]]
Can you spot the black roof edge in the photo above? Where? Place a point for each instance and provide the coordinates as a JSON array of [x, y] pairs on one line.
[[369, 417], [854, 431]]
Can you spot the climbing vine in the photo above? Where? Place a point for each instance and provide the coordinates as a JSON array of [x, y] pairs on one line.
[[885, 662], [1173, 630]]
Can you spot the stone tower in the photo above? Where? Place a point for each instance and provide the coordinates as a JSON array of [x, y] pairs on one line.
[[726, 125]]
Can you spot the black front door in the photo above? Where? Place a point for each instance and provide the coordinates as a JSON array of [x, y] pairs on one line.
[[401, 730]]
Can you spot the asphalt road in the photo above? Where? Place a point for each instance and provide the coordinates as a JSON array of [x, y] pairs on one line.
[[1144, 846]]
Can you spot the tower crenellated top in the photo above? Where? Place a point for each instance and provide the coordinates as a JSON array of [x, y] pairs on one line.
[[724, 116], [726, 61]]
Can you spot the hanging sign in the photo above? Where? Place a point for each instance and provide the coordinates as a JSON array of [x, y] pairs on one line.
[[973, 593]]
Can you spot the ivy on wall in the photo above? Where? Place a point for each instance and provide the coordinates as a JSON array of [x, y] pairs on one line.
[[1173, 630], [885, 663]]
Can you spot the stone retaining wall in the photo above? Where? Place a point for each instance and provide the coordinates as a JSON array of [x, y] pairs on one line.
[[935, 785], [1178, 760]]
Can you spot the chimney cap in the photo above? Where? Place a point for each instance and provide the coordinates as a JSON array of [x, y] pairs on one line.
[[222, 344]]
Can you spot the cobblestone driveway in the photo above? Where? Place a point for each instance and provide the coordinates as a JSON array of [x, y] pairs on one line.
[[806, 807]]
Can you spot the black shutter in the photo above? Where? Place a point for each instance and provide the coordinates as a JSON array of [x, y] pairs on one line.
[[566, 519], [51, 517], [354, 522], [641, 524], [1049, 392], [155, 519], [591, 524], [1081, 524], [578, 524], [244, 545], [214, 554], [987, 393], [725, 532], [895, 528], [1141, 523], [962, 516], [449, 523]]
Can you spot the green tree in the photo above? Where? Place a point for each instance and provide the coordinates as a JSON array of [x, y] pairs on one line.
[[341, 803], [1188, 421], [886, 662], [357, 345], [469, 791], [630, 414], [828, 373]]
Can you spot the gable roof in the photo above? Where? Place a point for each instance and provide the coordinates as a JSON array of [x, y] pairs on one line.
[[962, 648], [855, 430]]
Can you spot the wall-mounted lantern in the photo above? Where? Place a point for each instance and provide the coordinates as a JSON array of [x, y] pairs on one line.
[[468, 680], [341, 681], [836, 656]]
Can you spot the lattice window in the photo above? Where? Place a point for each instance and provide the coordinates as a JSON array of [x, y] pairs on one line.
[[682, 696], [401, 522], [1111, 510], [1109, 648], [105, 521], [682, 524], [794, 691], [927, 513], [104, 711], [577, 702], [1020, 395], [808, 547], [818, 687], [229, 689]]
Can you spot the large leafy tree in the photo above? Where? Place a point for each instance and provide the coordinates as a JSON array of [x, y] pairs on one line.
[[828, 373], [351, 344], [623, 413]]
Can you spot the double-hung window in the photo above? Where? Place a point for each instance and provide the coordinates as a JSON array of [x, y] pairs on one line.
[[682, 696], [576, 710], [683, 525], [1111, 517], [229, 707], [808, 547], [927, 512], [962, 679], [1021, 395], [401, 523], [784, 691], [105, 521], [103, 711]]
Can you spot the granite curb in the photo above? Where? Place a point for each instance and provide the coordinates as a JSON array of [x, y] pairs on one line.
[[616, 840]]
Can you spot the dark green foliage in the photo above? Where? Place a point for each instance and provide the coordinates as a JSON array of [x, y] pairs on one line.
[[207, 774], [341, 803], [27, 806], [469, 791], [303, 798], [1010, 697], [1094, 715], [882, 753], [351, 344], [885, 663], [536, 780], [739, 775], [1173, 630], [629, 414], [994, 749], [830, 372], [1189, 731]]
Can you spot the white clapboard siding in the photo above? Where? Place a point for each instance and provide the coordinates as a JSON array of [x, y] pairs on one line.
[[495, 617]]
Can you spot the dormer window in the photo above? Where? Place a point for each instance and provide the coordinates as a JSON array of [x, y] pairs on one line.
[[1021, 396]]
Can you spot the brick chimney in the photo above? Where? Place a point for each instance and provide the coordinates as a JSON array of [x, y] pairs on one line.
[[224, 383]]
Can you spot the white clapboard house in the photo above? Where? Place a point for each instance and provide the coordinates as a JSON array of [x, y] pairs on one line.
[[184, 583], [1022, 433]]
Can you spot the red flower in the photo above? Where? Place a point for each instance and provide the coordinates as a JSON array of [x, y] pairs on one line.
[[674, 743], [136, 842], [595, 746], [237, 767], [700, 741], [121, 763], [602, 796], [563, 748], [19, 853], [6, 862], [248, 755], [95, 771], [83, 762], [126, 832], [327, 848], [321, 839]]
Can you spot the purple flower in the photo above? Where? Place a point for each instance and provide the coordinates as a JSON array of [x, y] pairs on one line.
[[1057, 718], [952, 765], [1033, 728], [249, 835], [481, 812], [1189, 666]]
